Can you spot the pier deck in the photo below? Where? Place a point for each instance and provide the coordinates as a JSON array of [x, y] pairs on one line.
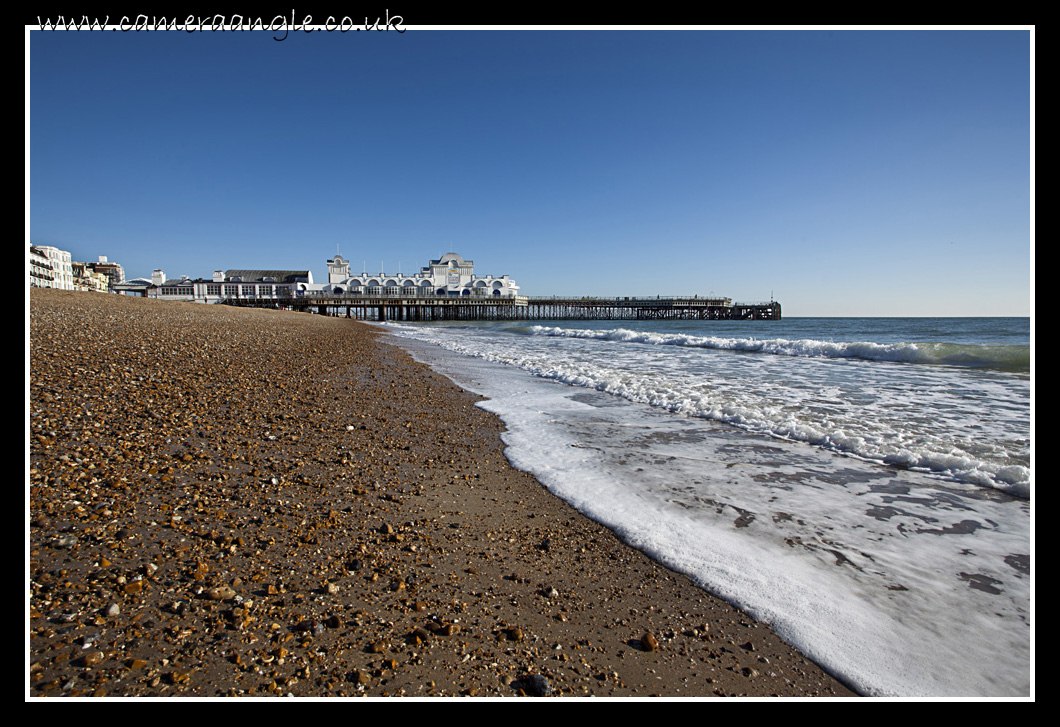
[[520, 308]]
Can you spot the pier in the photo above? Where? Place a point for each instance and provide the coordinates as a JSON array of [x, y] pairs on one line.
[[446, 289], [412, 307]]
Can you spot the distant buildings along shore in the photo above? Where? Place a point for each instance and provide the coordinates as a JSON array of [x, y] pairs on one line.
[[450, 275], [50, 267]]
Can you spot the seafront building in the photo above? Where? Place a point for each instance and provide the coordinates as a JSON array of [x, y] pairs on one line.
[[50, 267], [230, 284], [450, 275], [114, 272], [88, 279], [40, 268], [59, 265]]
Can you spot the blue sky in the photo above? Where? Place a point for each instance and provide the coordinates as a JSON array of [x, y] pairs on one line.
[[843, 172]]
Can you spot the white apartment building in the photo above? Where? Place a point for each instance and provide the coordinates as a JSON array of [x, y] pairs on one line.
[[62, 272], [40, 268]]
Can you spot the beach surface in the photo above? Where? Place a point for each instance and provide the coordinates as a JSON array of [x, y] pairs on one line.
[[227, 502]]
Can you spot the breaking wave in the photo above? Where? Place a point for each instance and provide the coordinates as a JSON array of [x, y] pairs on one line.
[[949, 354]]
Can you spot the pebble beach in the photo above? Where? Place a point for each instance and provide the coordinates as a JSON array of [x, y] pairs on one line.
[[255, 503]]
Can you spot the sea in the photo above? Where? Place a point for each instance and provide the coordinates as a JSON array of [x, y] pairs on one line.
[[863, 485]]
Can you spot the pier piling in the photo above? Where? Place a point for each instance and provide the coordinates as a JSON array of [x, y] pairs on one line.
[[522, 308]]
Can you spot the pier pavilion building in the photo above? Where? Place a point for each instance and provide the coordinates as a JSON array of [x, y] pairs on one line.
[[449, 275]]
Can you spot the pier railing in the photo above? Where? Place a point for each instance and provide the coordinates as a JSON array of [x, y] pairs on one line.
[[411, 305], [409, 292], [634, 300]]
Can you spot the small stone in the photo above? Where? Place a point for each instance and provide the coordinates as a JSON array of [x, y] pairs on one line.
[[536, 685], [93, 658], [220, 593], [648, 642], [112, 610], [310, 625]]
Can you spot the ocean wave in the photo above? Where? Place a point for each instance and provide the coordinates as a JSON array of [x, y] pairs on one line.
[[880, 439], [950, 354], [939, 457]]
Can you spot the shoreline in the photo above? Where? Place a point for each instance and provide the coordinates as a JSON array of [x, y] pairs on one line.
[[233, 502]]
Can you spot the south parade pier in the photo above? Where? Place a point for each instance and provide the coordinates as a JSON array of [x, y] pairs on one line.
[[412, 307]]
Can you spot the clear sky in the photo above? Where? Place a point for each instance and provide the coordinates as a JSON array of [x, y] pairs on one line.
[[843, 172]]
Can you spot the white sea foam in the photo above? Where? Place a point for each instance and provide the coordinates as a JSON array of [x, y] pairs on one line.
[[832, 395], [900, 583]]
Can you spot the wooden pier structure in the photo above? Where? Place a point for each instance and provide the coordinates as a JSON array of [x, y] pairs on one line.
[[398, 307]]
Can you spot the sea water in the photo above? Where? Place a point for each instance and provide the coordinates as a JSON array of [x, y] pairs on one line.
[[862, 485]]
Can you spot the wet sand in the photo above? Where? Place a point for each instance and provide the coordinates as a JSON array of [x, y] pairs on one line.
[[258, 503]]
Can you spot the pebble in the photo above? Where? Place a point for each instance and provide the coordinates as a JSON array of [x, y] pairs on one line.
[[537, 685], [220, 593]]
